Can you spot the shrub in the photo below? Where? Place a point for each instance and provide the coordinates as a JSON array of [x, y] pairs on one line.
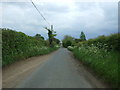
[[17, 45], [102, 56], [102, 62], [112, 42], [67, 41]]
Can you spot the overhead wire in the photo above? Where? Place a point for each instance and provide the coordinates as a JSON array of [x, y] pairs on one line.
[[28, 6], [40, 12]]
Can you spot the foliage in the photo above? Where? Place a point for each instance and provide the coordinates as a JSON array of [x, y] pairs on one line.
[[101, 55], [17, 45], [57, 41], [77, 40], [82, 36], [111, 42], [67, 41], [51, 35], [70, 41], [71, 48], [102, 62], [39, 36]]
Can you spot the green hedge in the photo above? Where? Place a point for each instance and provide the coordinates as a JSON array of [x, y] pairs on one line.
[[105, 64], [102, 56], [111, 42], [17, 45]]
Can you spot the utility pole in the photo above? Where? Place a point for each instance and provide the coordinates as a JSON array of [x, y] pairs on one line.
[[51, 27], [50, 35]]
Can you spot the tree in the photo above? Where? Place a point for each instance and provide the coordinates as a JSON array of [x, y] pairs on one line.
[[82, 36], [77, 40], [67, 41], [57, 41], [39, 36]]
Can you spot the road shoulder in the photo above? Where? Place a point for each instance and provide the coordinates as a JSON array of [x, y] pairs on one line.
[[88, 73], [13, 74]]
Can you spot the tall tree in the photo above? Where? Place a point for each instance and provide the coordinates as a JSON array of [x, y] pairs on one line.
[[82, 36]]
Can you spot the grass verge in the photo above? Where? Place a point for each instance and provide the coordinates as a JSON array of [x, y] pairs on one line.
[[103, 63], [9, 59]]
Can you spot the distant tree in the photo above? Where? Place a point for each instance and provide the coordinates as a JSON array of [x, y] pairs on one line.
[[39, 36], [57, 41], [82, 36], [77, 40], [67, 41]]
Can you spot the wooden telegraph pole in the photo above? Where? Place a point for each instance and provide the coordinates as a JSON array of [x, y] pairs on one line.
[[51, 27], [50, 35]]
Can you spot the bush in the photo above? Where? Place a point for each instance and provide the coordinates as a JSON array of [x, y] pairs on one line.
[[112, 42], [17, 45], [70, 48], [102, 62], [67, 41], [102, 56]]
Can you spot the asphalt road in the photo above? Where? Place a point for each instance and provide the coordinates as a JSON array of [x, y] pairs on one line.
[[60, 71]]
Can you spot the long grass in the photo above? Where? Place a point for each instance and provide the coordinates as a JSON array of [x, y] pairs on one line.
[[104, 63], [34, 51]]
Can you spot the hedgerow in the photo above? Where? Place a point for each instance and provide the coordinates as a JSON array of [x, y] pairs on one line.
[[112, 42], [17, 45], [102, 56]]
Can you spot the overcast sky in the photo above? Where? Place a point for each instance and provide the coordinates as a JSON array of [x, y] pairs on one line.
[[68, 18]]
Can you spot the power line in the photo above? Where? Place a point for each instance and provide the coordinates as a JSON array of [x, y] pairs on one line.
[[40, 12], [27, 6]]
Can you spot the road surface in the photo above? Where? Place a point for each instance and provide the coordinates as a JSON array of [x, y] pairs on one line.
[[60, 70]]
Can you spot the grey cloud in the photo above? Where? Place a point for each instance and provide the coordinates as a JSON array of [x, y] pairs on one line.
[[93, 18], [54, 8]]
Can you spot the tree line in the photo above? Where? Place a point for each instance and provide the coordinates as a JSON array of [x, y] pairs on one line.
[[71, 41]]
